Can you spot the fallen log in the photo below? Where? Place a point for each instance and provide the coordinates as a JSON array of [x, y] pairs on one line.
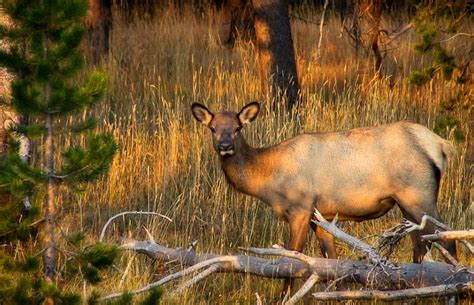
[[406, 275], [418, 280]]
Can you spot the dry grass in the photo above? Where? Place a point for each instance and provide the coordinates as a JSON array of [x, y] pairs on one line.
[[166, 162]]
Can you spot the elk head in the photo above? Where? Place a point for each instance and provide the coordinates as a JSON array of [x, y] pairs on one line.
[[226, 126]]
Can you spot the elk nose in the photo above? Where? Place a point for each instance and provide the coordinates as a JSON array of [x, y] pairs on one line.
[[225, 146]]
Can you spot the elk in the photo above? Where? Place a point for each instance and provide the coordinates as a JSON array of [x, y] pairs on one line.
[[358, 174]]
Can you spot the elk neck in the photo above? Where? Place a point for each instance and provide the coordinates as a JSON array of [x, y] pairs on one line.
[[247, 169]]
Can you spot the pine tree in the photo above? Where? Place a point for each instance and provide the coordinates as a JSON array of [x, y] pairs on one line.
[[44, 56], [432, 20]]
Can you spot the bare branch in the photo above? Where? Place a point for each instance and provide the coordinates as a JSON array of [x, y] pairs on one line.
[[197, 278], [150, 236], [394, 36], [318, 54], [468, 245], [111, 219], [434, 221], [395, 234], [350, 240], [390, 238], [280, 251], [446, 254], [396, 295], [312, 280], [441, 225], [64, 177], [175, 276], [127, 269], [454, 36], [449, 235]]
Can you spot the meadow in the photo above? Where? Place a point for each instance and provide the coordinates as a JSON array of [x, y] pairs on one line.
[[166, 162]]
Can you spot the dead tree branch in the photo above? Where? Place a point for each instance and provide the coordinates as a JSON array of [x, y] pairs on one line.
[[397, 295], [350, 240], [391, 237], [111, 219], [321, 30], [380, 274], [396, 35], [456, 35], [450, 235], [446, 254], [296, 265], [310, 282]]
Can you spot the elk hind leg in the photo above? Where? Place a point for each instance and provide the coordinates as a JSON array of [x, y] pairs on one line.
[[326, 241], [414, 205]]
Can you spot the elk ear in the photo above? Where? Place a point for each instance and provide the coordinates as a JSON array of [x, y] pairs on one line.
[[249, 113], [202, 114]]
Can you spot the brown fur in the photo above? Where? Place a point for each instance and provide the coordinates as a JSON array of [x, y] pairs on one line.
[[359, 174]]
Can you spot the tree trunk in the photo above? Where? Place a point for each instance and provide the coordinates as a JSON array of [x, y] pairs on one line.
[[3, 134], [4, 198], [376, 16], [239, 16], [98, 24], [276, 54], [49, 255]]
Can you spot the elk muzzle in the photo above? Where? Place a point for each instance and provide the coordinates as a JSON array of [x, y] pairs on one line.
[[225, 147]]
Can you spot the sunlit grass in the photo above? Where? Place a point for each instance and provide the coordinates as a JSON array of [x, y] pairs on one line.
[[166, 163]]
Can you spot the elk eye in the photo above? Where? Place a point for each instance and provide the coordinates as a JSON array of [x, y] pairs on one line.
[[213, 129], [238, 129]]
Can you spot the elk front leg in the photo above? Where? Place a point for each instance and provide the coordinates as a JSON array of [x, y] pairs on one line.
[[299, 226]]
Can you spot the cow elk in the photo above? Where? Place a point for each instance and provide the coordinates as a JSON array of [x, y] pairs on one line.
[[358, 174]]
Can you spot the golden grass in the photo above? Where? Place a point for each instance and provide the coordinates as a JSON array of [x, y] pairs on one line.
[[166, 163]]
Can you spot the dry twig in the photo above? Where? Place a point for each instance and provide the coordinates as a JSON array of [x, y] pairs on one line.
[[111, 219]]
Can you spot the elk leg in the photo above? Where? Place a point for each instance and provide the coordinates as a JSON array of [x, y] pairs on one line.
[[414, 211], [419, 247], [299, 226], [326, 241]]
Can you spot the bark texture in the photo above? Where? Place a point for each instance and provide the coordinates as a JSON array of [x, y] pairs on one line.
[[375, 8], [3, 134], [49, 255], [406, 275], [397, 295], [238, 14], [275, 50], [98, 24]]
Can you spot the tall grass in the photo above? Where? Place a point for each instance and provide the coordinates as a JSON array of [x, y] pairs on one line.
[[166, 163]]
